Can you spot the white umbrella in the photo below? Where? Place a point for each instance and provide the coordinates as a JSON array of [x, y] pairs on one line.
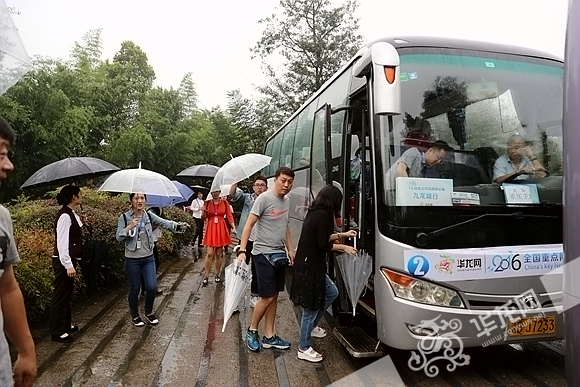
[[14, 61], [238, 277], [140, 180], [356, 270], [238, 169]]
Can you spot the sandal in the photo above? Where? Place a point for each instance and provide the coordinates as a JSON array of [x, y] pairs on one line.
[[309, 355], [318, 332], [205, 281]]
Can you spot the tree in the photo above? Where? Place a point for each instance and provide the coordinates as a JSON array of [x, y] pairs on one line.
[[314, 38], [88, 54], [133, 146], [188, 94], [253, 121], [130, 77]]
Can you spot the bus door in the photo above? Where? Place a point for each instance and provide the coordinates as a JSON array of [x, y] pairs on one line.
[[321, 165]]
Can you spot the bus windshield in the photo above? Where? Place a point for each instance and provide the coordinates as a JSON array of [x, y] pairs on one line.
[[500, 115]]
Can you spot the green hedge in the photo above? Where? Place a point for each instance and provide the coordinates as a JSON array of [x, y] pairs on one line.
[[34, 233]]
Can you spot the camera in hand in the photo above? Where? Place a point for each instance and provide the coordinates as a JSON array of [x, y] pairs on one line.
[[180, 228]]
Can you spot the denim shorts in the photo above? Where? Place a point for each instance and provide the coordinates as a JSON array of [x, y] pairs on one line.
[[270, 279]]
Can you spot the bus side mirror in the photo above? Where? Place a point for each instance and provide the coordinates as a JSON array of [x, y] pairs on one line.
[[383, 59]]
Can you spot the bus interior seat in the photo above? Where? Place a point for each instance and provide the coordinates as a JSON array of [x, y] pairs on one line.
[[486, 157]]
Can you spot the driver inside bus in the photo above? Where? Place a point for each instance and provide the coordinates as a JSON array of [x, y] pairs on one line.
[[414, 163], [518, 163]]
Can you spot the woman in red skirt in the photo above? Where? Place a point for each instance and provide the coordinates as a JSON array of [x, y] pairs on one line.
[[217, 233]]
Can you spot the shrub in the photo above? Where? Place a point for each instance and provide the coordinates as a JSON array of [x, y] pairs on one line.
[[34, 234]]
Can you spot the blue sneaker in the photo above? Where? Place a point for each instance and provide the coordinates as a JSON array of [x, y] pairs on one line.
[[252, 340], [275, 342]]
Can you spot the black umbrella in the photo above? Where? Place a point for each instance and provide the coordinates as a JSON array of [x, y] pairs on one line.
[[203, 170], [69, 170]]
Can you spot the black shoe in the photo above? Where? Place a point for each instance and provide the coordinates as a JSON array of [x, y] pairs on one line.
[[137, 321], [205, 281], [73, 329], [159, 291], [152, 319], [217, 279], [64, 338]]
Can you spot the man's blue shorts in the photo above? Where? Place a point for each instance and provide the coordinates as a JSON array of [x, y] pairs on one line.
[[270, 279]]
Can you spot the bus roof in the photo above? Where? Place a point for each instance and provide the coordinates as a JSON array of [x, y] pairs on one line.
[[430, 41], [402, 42]]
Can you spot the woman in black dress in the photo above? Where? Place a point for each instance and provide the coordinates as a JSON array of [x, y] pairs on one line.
[[311, 287]]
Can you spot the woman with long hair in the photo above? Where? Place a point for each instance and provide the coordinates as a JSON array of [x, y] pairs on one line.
[[311, 287], [66, 254], [135, 228], [216, 211]]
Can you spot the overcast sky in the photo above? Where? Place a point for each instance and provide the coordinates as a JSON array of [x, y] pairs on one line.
[[212, 39]]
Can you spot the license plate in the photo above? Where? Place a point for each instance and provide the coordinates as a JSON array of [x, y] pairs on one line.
[[532, 326]]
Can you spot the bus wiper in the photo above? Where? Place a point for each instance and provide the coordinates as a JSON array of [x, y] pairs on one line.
[[423, 238], [546, 204]]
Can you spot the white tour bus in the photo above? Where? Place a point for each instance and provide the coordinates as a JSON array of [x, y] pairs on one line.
[[450, 243]]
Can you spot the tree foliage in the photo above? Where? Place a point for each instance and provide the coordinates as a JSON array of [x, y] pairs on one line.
[[188, 94], [86, 106], [111, 109], [313, 38]]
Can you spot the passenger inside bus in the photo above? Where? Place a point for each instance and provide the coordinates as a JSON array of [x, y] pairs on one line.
[[417, 133], [414, 163], [519, 162]]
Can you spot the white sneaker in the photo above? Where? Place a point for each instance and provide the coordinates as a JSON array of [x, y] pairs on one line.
[[253, 300], [318, 332], [310, 355]]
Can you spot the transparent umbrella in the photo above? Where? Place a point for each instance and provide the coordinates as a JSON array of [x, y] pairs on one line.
[[238, 277], [238, 169], [140, 180], [14, 61], [356, 270]]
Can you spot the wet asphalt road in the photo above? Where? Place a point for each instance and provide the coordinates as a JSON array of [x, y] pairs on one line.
[[188, 347]]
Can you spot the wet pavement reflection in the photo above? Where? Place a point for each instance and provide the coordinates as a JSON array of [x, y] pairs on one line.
[[187, 347]]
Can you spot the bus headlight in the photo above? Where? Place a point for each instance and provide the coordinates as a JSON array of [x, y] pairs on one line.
[[417, 290]]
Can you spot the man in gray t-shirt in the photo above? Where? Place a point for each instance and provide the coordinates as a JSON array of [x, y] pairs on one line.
[[269, 216], [414, 163], [13, 315]]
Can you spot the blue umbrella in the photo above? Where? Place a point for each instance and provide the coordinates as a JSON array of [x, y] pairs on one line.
[[165, 201]]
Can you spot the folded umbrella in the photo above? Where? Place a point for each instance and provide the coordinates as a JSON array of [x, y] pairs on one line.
[[356, 270], [238, 277]]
